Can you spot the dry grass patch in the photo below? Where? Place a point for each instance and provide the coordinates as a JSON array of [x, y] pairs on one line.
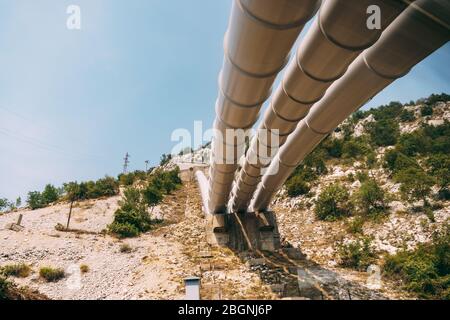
[[50, 274], [20, 270], [84, 268]]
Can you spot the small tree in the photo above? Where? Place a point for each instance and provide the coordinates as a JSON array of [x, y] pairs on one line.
[[414, 143], [415, 184], [370, 197], [333, 203], [132, 217], [4, 203], [333, 147], [353, 148], [165, 158], [18, 202], [50, 194], [426, 110], [152, 196], [35, 200], [74, 192], [106, 187], [407, 116], [297, 186], [384, 132], [396, 161], [126, 179], [439, 168], [358, 254]]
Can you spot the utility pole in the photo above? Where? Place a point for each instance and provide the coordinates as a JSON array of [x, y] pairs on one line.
[[126, 163], [146, 165]]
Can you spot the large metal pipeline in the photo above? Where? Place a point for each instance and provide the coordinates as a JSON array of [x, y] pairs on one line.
[[339, 34], [257, 44], [420, 30]]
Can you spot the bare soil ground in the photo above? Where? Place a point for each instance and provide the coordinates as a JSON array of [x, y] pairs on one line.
[[160, 259], [154, 269]]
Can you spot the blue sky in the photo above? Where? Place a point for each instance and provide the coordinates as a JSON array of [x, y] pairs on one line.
[[72, 103]]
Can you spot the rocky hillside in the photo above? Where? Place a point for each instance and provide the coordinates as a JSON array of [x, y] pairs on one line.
[[365, 216], [387, 171]]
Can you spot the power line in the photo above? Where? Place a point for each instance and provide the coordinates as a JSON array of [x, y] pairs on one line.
[[40, 143], [43, 145]]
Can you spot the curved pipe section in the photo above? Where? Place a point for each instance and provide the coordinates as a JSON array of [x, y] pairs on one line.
[[420, 30], [257, 44], [337, 37]]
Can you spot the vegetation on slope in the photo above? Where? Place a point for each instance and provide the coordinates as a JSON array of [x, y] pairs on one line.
[[133, 218], [417, 160], [425, 270], [396, 152]]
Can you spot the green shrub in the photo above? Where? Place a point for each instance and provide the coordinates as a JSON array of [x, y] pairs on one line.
[[312, 167], [389, 111], [370, 197], [130, 223], [414, 143], [315, 163], [355, 148], [132, 217], [357, 254], [165, 181], [425, 270], [51, 274], [358, 115], [123, 230], [333, 203], [432, 99], [165, 158], [333, 147], [125, 248], [407, 116], [439, 168], [4, 288], [444, 194], [356, 225], [4, 203], [50, 194], [362, 176], [84, 268], [352, 149], [351, 177], [152, 196], [106, 187], [395, 161], [426, 110], [296, 186], [415, 184], [35, 200], [126, 179], [384, 132], [20, 270], [371, 159]]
